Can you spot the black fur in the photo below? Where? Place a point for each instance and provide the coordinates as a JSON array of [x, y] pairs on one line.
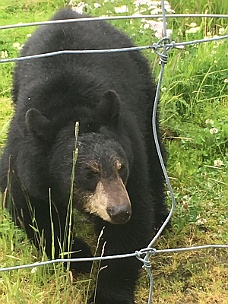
[[111, 95]]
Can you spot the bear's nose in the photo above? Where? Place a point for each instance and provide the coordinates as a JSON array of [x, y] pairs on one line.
[[119, 214]]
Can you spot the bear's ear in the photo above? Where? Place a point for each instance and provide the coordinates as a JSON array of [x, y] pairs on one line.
[[108, 109], [38, 124]]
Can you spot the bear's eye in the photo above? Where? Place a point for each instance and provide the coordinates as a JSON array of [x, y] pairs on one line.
[[118, 165], [123, 173], [90, 175], [90, 180]]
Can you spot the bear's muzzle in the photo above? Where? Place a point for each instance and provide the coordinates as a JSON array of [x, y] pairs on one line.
[[110, 201]]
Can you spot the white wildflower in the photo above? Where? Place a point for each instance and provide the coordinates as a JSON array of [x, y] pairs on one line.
[[4, 54], [157, 27], [213, 130], [153, 6], [226, 80], [221, 31], [192, 24], [146, 26], [209, 121], [96, 5], [155, 11], [169, 32], [186, 198], [158, 34], [16, 45], [137, 3], [80, 7], [218, 162], [208, 35], [185, 201], [34, 269], [121, 9], [193, 30], [200, 220]]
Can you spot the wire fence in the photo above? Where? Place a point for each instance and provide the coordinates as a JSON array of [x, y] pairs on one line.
[[161, 48]]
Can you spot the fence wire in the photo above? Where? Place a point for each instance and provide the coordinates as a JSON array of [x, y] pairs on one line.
[[161, 48], [171, 16]]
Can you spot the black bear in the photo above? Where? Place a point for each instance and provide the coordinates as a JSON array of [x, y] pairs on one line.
[[117, 180]]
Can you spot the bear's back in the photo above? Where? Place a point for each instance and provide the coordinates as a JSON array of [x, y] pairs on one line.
[[73, 83]]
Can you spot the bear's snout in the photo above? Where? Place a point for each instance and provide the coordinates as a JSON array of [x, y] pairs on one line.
[[110, 201], [119, 214]]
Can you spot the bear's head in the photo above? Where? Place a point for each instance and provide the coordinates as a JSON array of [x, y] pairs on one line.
[[100, 173]]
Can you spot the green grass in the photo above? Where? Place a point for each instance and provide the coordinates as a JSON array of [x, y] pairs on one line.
[[194, 115]]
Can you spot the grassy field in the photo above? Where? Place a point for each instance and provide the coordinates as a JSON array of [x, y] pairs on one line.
[[194, 116]]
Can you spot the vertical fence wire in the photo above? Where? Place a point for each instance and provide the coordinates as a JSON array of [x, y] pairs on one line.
[[163, 61]]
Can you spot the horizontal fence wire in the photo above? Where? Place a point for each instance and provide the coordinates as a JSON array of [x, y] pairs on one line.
[[106, 18], [165, 45], [138, 254], [154, 46]]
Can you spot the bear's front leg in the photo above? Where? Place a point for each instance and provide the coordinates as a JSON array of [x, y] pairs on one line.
[[80, 249], [116, 282], [116, 279]]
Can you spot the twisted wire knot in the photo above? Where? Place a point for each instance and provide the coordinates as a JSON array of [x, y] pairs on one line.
[[143, 256], [165, 44]]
